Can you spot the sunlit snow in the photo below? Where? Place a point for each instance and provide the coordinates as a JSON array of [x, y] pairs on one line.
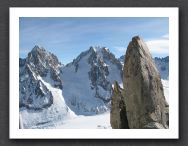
[[44, 118]]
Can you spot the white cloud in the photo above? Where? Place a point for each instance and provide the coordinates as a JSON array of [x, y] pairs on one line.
[[166, 36], [159, 46], [120, 49]]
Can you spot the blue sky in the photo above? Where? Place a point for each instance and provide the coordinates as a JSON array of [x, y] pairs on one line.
[[68, 37]]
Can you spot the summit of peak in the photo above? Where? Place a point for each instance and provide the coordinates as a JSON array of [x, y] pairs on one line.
[[39, 55], [136, 38], [38, 48], [98, 48]]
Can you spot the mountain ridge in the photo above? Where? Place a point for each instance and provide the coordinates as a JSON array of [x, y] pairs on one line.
[[92, 72], [83, 86]]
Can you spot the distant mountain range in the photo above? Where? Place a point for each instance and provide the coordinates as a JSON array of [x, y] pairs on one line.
[[162, 65], [50, 90]]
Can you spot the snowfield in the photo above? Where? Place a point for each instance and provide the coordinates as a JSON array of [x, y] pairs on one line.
[[46, 118], [166, 89], [101, 121]]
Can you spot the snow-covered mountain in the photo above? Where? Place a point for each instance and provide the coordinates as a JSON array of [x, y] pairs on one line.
[[87, 81], [162, 65], [51, 93], [121, 59], [40, 89]]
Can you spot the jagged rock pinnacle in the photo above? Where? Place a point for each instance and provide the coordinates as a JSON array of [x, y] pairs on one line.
[[144, 96], [118, 117]]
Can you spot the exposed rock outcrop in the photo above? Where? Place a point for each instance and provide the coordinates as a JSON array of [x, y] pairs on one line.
[[144, 97], [33, 93], [118, 117]]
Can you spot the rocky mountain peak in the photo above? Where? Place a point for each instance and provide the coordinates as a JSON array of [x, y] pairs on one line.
[[40, 57], [37, 48], [99, 60], [42, 62], [98, 48], [144, 95], [94, 71], [98, 56], [118, 117], [37, 52], [39, 65], [138, 48]]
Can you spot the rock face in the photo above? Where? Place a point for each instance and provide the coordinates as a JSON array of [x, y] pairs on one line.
[[118, 117], [33, 93], [144, 97]]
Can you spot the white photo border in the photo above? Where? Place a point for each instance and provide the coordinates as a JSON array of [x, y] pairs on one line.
[[171, 133]]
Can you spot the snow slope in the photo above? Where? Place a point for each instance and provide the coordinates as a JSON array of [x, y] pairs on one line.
[[47, 117], [77, 89], [101, 121], [166, 89], [87, 81]]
